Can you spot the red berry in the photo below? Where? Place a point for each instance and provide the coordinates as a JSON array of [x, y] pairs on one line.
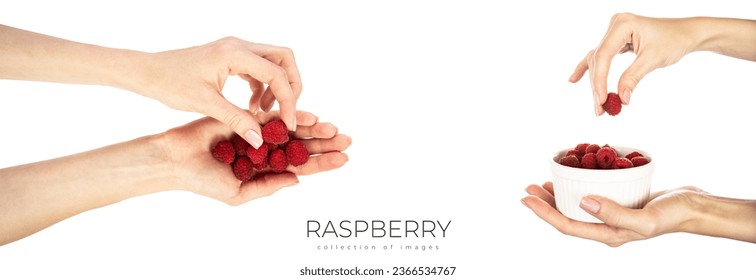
[[581, 148], [261, 165], [258, 156], [589, 161], [620, 163], [571, 161], [240, 145], [573, 153], [592, 148], [613, 104], [297, 153], [633, 154], [277, 160], [605, 157], [243, 169], [275, 132], [223, 151], [639, 161]]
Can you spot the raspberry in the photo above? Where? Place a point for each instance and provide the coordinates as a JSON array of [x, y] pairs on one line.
[[589, 161], [258, 156], [297, 153], [243, 169], [592, 148], [633, 154], [571, 161], [223, 151], [240, 145], [277, 160], [613, 104], [260, 166], [605, 157], [573, 153], [639, 161], [581, 149], [275, 132], [620, 163]]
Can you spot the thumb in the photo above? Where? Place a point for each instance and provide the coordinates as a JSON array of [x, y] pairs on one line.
[[240, 121], [630, 79], [614, 214]]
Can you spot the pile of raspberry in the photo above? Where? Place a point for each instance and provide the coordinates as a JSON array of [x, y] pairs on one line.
[[277, 152], [592, 156]]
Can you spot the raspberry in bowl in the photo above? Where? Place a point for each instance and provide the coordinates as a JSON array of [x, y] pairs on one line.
[[621, 174]]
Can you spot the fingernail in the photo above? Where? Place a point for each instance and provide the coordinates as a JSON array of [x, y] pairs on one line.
[[590, 205], [596, 104], [626, 96], [294, 121], [253, 138]]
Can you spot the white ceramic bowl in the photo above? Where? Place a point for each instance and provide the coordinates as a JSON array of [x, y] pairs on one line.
[[629, 187]]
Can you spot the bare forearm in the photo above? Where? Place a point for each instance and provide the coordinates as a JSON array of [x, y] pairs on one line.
[[727, 36], [724, 217], [38, 195], [31, 56]]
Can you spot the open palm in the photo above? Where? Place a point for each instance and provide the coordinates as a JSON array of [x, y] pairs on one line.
[[194, 168], [665, 212]]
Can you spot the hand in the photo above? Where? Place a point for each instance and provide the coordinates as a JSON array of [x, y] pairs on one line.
[[656, 42], [188, 148], [666, 212], [192, 80]]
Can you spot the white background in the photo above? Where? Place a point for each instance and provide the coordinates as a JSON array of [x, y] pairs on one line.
[[453, 108]]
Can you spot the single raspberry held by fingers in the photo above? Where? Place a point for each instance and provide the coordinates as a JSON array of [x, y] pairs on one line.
[[605, 157], [297, 153], [613, 104], [258, 156], [275, 132], [277, 160], [223, 151], [243, 169]]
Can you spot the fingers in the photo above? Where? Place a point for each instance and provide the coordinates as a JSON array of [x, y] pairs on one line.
[[304, 119], [541, 193], [580, 69], [319, 130], [599, 232], [631, 77], [267, 100], [285, 58], [264, 185], [549, 186], [338, 143], [258, 89], [320, 163], [275, 76], [615, 215], [241, 121], [616, 38]]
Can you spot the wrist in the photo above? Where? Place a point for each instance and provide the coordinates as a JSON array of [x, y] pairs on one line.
[[704, 33], [129, 70], [158, 159], [723, 217]]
